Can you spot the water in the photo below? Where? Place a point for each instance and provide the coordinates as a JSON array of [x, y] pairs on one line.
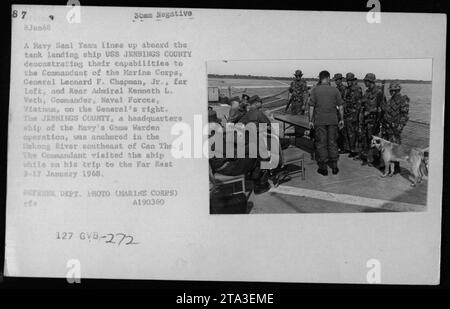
[[419, 94], [420, 101]]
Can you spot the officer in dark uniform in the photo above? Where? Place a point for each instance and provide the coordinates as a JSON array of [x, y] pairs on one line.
[[233, 166], [352, 106], [369, 117], [298, 90], [323, 118]]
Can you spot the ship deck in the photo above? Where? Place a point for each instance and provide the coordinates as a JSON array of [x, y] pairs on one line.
[[356, 188]]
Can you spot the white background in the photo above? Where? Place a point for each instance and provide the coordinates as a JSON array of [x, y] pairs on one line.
[[182, 241]]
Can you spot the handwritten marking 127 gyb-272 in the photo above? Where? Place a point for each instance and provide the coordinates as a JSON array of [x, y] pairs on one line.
[[107, 238]]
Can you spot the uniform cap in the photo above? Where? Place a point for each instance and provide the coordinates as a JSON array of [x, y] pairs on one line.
[[370, 77], [337, 76], [350, 76], [395, 86]]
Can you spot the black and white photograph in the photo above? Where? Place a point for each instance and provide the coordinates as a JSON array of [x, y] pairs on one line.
[[354, 135], [245, 147]]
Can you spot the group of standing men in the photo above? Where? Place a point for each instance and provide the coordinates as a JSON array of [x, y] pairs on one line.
[[363, 114]]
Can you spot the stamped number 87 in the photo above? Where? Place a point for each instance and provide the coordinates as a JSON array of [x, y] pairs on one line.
[[15, 14]]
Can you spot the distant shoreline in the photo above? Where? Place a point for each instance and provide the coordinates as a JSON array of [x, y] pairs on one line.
[[406, 81]]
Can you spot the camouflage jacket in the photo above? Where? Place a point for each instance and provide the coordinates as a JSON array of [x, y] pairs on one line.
[[341, 89], [395, 112], [352, 101], [372, 100], [298, 89]]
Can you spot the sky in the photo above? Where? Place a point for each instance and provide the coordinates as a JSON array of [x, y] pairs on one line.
[[414, 69]]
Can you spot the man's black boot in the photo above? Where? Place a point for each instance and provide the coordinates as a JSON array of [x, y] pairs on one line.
[[322, 170], [333, 166]]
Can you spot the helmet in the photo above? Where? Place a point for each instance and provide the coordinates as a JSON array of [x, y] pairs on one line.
[[350, 76], [370, 77], [298, 72], [395, 86], [337, 76]]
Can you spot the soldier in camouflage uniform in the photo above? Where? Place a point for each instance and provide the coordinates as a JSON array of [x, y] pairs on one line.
[[369, 117], [394, 114], [298, 91], [352, 106], [340, 86]]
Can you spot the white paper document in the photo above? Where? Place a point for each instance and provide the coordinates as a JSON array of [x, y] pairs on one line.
[[119, 162]]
